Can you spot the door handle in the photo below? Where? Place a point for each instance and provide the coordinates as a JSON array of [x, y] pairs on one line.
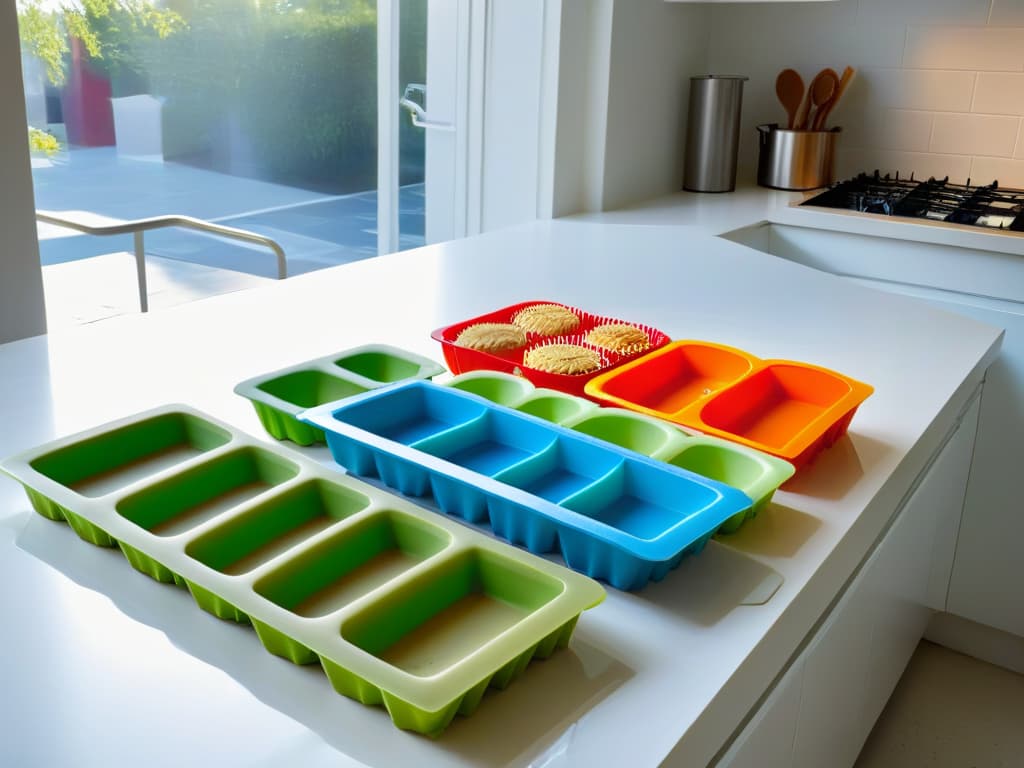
[[416, 111]]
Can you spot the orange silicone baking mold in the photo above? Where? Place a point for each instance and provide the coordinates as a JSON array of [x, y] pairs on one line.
[[788, 409]]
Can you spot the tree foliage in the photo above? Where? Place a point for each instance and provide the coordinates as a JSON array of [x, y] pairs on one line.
[[284, 90], [110, 31]]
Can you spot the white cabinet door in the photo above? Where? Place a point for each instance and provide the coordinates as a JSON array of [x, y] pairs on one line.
[[948, 489], [988, 573], [829, 725], [767, 739], [909, 572], [825, 706], [896, 588]]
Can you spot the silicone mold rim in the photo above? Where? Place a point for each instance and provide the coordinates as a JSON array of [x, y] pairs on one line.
[[250, 388]]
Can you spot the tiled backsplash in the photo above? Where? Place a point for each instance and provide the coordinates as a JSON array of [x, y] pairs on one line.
[[939, 90]]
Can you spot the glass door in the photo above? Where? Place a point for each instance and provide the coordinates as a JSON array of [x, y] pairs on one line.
[[277, 118], [422, 159]]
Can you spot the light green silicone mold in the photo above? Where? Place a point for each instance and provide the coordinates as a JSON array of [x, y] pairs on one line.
[[278, 396], [402, 607], [516, 392]]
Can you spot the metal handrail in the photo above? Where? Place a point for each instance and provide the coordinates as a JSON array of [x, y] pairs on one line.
[[138, 227]]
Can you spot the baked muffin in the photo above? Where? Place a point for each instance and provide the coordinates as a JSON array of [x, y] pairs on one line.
[[571, 359], [492, 337], [547, 319], [619, 337]]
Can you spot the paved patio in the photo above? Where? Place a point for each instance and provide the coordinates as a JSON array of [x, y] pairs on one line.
[[315, 230]]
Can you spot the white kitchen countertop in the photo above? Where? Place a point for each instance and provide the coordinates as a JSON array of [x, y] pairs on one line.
[[103, 666], [718, 213]]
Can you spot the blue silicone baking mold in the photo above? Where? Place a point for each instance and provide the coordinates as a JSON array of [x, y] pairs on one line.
[[614, 514], [754, 472]]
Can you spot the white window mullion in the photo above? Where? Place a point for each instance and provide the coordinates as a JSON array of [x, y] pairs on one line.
[[387, 125], [474, 81]]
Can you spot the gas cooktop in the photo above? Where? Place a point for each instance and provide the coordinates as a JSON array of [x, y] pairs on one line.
[[988, 206]]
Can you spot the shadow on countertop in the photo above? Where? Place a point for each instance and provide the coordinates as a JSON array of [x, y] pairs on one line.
[[514, 726]]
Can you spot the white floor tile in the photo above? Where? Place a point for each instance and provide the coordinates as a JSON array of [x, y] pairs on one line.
[[949, 711]]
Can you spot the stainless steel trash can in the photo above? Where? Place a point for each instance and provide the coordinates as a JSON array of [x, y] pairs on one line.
[[713, 133]]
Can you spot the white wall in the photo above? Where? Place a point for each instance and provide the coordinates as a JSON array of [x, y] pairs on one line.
[[585, 36], [655, 48], [512, 120], [585, 104], [21, 280], [544, 93], [940, 85]]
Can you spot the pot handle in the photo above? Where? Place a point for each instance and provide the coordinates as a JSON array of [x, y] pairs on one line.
[[765, 131]]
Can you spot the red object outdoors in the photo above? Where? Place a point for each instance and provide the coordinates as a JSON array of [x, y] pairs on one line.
[[88, 116]]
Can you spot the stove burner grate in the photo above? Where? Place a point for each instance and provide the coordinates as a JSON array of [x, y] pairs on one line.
[[935, 199]]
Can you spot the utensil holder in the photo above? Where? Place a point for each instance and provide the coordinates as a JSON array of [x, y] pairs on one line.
[[795, 160]]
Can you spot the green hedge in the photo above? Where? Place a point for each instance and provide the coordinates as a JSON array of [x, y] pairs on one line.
[[310, 102], [288, 96]]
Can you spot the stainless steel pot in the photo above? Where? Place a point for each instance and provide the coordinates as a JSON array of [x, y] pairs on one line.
[[795, 159]]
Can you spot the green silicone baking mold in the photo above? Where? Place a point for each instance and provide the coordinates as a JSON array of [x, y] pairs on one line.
[[753, 472], [402, 607], [279, 395]]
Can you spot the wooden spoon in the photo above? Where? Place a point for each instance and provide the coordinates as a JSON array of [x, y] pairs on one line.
[[823, 113], [800, 121], [789, 87], [823, 86], [822, 93]]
